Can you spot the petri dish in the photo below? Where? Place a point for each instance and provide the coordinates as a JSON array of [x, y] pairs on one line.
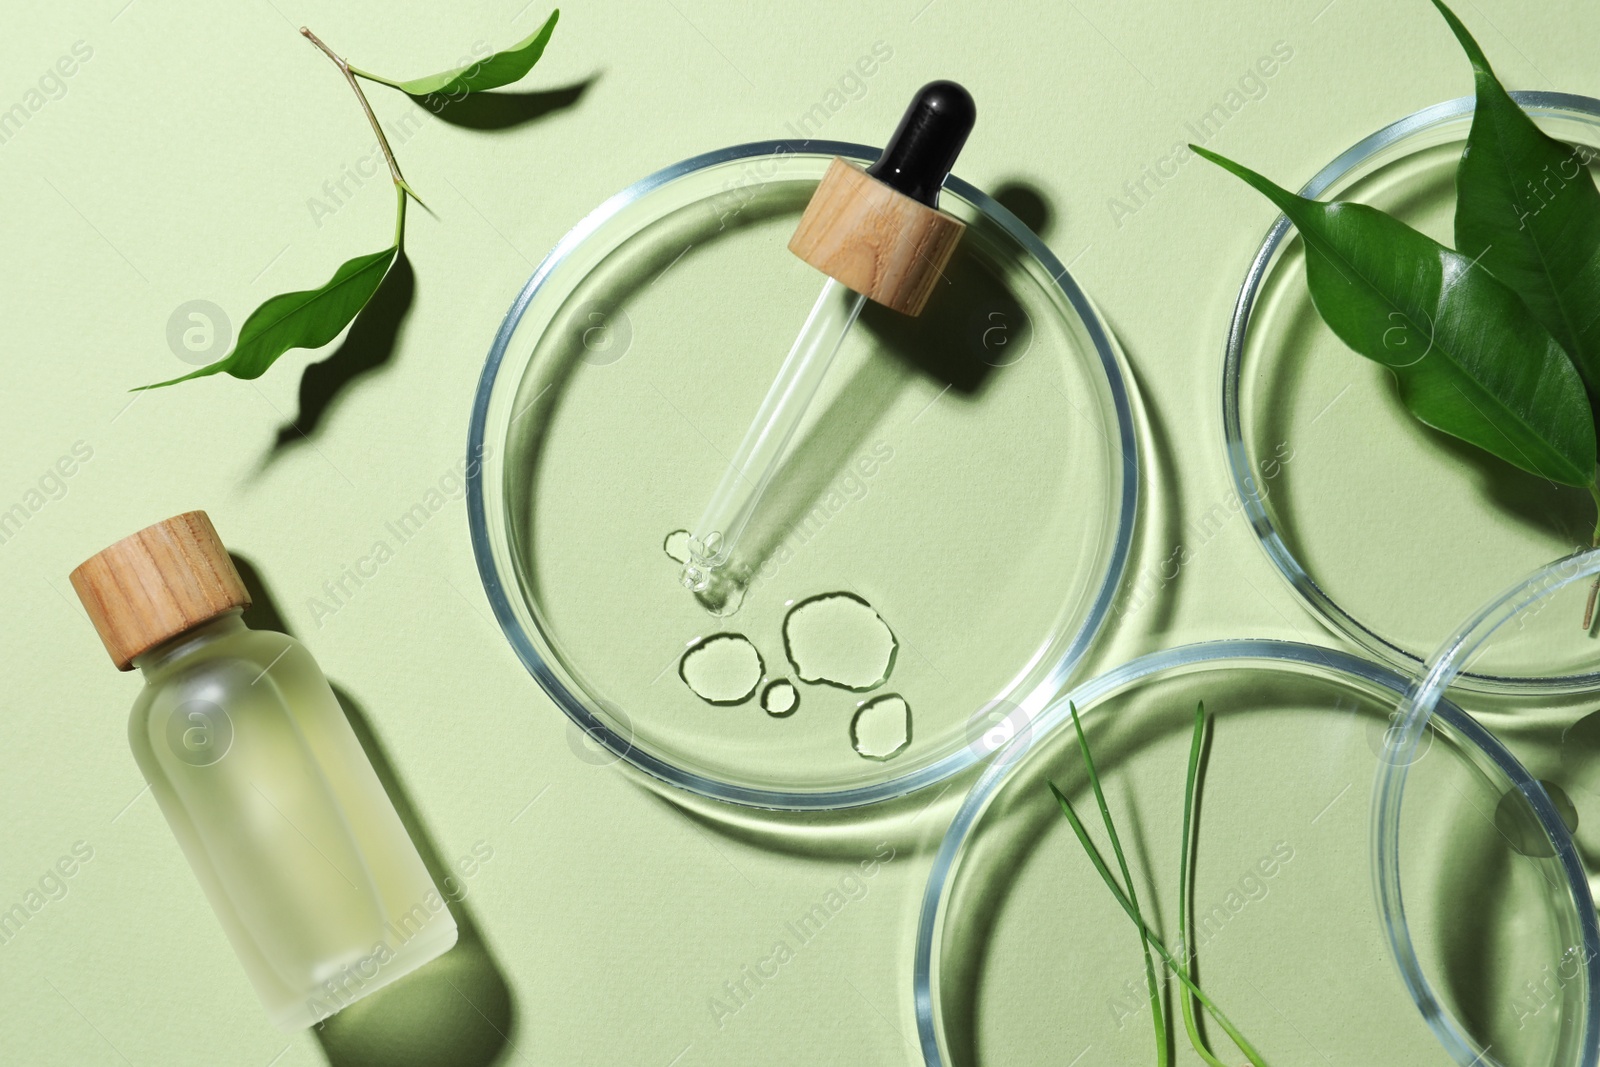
[[967, 482], [1315, 434], [1022, 955], [1554, 817]]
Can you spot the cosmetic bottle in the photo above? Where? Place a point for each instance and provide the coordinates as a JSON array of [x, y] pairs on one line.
[[262, 779]]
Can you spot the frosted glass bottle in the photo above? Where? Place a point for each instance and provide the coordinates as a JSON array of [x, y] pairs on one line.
[[262, 779]]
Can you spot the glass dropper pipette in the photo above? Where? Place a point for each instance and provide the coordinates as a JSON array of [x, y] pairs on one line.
[[878, 234]]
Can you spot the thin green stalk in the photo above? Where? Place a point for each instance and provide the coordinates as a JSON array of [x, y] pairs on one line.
[[399, 216], [1157, 1015], [1185, 900], [1116, 891]]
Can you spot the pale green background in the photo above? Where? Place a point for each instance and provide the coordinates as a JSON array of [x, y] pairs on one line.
[[178, 166]]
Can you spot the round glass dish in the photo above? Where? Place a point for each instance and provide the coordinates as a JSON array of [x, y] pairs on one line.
[[971, 475], [1558, 813], [1359, 506], [1022, 955]]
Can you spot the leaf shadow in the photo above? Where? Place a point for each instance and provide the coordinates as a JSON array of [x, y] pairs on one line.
[[1558, 510], [504, 111], [369, 345]]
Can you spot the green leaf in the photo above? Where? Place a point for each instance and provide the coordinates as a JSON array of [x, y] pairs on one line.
[[1527, 209], [308, 319], [1471, 360], [502, 68]]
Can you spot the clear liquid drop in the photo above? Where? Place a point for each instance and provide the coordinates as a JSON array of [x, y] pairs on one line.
[[840, 640], [780, 698], [881, 729], [722, 669], [676, 546]]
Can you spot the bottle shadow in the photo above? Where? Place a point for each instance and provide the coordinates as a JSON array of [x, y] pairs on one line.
[[456, 1010]]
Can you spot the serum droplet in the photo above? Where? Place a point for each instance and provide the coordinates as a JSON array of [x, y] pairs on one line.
[[882, 727], [676, 546], [780, 698], [840, 640], [722, 669]]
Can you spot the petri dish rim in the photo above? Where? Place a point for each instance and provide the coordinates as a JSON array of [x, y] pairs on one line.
[[1330, 612], [1425, 699], [1266, 652], [496, 585]]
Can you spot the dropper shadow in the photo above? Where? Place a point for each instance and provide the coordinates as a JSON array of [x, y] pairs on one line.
[[971, 326], [503, 111], [1028, 203], [368, 347], [456, 1010]]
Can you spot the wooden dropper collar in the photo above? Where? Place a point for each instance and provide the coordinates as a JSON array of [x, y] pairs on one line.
[[879, 230]]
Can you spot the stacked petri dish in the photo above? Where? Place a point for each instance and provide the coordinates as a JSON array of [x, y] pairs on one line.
[[1022, 954], [996, 437]]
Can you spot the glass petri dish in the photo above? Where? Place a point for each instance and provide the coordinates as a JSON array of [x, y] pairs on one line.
[[1554, 817], [1022, 954], [970, 476], [1316, 434]]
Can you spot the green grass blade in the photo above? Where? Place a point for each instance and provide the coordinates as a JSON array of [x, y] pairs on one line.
[[1157, 1016], [1089, 849], [1116, 891], [1185, 902]]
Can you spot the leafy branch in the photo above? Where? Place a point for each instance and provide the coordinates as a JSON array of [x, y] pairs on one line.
[[1508, 325], [312, 318]]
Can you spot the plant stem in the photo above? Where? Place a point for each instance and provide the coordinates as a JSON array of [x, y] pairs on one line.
[[377, 128], [1594, 591], [1185, 889], [399, 216], [1156, 1013]]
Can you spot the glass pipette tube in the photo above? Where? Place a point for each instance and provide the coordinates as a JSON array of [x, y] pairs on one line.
[[765, 444]]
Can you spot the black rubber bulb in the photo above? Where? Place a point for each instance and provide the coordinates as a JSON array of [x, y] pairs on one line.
[[925, 144]]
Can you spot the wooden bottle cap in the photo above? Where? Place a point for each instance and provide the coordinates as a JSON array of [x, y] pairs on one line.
[[875, 239], [151, 586]]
